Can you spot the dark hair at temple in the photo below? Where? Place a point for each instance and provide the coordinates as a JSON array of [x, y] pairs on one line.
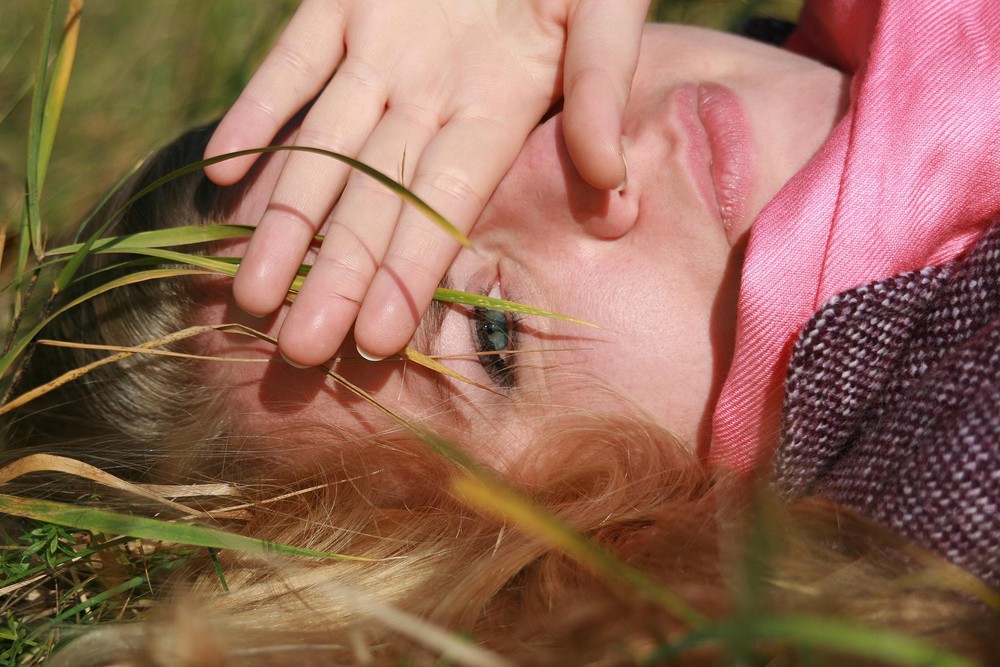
[[126, 416]]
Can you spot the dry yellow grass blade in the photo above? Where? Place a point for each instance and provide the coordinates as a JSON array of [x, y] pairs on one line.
[[286, 496], [436, 366], [69, 376], [218, 490], [155, 351], [24, 583], [68, 466]]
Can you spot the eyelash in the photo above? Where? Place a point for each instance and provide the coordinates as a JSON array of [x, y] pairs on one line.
[[486, 323]]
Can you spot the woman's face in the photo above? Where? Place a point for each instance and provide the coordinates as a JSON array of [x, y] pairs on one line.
[[715, 126]]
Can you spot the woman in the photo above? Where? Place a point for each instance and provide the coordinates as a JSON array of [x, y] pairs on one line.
[[906, 179], [703, 309]]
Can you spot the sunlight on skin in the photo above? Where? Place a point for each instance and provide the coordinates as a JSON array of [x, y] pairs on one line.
[[656, 266]]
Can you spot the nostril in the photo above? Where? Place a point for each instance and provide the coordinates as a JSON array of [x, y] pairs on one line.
[[624, 184], [617, 218]]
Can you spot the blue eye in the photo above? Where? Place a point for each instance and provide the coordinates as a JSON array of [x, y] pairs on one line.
[[494, 335]]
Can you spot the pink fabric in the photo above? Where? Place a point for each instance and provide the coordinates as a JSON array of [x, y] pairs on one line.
[[908, 178]]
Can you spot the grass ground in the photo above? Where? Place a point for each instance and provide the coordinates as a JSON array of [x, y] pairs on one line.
[[144, 72]]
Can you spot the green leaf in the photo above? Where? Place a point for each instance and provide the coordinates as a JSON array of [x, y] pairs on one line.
[[112, 523]]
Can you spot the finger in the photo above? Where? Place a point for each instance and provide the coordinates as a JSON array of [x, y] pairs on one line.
[[356, 241], [456, 176], [602, 50], [341, 121], [294, 71]]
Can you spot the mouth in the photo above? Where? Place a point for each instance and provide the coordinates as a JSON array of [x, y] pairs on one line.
[[720, 153]]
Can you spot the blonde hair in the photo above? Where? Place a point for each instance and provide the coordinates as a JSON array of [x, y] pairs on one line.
[[625, 484]]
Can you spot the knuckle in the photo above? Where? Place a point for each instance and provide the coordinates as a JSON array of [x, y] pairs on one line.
[[290, 220], [414, 264], [412, 113], [260, 105], [292, 58], [375, 193], [320, 135], [451, 186], [344, 280], [361, 75], [347, 254]]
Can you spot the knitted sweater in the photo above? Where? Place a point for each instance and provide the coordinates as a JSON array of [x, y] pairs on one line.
[[893, 407], [908, 178]]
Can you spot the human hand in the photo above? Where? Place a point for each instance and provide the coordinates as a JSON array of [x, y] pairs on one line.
[[454, 88]]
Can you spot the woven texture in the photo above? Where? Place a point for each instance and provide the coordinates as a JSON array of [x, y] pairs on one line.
[[905, 180], [893, 407]]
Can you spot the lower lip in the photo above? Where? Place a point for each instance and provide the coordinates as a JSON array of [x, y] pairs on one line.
[[720, 153]]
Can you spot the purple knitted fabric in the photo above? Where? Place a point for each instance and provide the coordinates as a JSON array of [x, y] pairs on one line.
[[893, 407]]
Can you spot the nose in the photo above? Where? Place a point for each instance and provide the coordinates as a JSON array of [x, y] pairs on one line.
[[544, 196], [616, 221], [602, 214], [622, 218]]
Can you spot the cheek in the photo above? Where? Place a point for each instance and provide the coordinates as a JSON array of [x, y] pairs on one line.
[[294, 408], [664, 345]]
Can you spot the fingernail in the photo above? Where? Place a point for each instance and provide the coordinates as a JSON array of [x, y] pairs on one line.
[[369, 357], [256, 316], [292, 363], [621, 186]]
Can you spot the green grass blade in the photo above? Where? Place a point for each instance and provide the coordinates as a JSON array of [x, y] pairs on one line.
[[159, 238], [842, 637], [224, 265], [153, 244], [56, 95], [33, 191], [113, 523], [390, 183], [21, 275], [73, 265], [498, 499], [480, 301], [89, 603]]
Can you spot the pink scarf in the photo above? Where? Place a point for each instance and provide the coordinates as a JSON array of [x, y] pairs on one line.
[[908, 178]]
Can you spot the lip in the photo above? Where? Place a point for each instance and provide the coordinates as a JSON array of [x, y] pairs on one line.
[[719, 152]]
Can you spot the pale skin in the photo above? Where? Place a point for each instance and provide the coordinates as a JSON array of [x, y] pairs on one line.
[[455, 86], [656, 266]]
